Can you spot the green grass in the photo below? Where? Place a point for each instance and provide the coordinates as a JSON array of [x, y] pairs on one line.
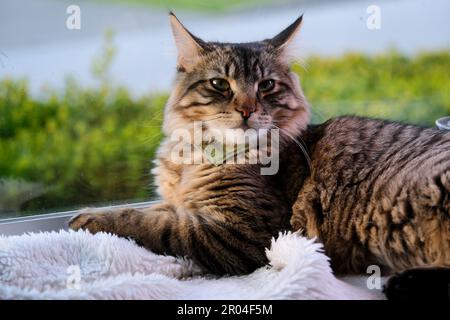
[[84, 146], [196, 5], [390, 86]]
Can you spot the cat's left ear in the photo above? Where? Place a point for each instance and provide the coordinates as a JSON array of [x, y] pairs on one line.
[[282, 40]]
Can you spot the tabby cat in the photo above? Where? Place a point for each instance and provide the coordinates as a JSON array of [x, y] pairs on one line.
[[374, 192]]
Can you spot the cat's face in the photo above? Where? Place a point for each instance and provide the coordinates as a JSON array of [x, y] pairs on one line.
[[235, 86]]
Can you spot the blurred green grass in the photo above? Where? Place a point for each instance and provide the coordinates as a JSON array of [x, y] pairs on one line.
[[390, 86], [85, 146], [197, 5]]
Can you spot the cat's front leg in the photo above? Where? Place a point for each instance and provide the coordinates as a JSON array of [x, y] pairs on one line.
[[142, 225], [98, 220], [94, 220], [220, 246]]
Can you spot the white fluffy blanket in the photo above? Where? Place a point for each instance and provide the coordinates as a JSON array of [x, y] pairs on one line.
[[79, 265]]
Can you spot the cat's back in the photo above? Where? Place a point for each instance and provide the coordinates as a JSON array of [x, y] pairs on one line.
[[362, 145], [379, 162], [380, 185]]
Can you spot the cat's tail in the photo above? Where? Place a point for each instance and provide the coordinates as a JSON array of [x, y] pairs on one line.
[[300, 265]]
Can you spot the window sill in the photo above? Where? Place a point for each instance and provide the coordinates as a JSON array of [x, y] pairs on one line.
[[49, 222]]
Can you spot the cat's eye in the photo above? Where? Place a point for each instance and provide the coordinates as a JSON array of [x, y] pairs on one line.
[[266, 85], [220, 84]]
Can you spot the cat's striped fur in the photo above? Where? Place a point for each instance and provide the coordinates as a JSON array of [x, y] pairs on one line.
[[222, 216], [377, 192]]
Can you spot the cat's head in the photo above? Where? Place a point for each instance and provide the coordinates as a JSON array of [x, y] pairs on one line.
[[236, 85]]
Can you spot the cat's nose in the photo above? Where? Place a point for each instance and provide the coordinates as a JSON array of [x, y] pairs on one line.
[[245, 111]]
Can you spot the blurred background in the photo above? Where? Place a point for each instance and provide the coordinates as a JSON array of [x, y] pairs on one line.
[[81, 101]]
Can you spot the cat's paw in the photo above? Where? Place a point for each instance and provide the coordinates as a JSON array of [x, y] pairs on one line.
[[89, 220]]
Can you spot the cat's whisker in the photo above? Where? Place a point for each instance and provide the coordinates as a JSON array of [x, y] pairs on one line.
[[319, 114], [212, 119], [300, 145], [152, 139], [303, 63], [150, 126], [223, 115]]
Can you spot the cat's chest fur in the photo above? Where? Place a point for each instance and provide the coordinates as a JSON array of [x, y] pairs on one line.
[[191, 185], [183, 184]]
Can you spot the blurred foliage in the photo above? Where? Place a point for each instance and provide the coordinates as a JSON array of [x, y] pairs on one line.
[[101, 65], [392, 86], [86, 146]]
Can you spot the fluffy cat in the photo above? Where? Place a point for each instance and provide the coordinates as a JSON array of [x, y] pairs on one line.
[[221, 216], [374, 192], [378, 193]]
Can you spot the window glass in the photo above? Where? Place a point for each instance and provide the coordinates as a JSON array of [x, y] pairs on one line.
[[83, 86]]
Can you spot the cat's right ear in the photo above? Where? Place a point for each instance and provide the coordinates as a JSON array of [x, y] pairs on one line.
[[189, 46]]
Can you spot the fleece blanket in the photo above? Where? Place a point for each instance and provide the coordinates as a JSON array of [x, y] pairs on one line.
[[79, 265]]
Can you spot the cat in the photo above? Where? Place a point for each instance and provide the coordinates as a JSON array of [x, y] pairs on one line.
[[378, 193], [373, 191], [221, 216]]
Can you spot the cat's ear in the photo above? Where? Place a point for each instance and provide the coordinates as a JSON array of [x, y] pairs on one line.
[[189, 46], [285, 37]]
